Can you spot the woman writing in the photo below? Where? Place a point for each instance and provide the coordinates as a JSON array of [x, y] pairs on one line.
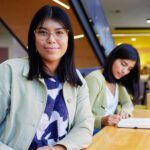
[[107, 87], [43, 99]]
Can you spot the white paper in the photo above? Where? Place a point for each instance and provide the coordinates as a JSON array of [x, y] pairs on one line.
[[134, 123]]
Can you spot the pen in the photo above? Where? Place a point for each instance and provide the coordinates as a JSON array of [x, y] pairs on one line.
[[107, 110]]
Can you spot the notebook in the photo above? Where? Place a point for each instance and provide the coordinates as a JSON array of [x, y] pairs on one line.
[[143, 123]]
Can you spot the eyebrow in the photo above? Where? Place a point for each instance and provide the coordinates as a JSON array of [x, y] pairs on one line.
[[127, 64], [47, 29]]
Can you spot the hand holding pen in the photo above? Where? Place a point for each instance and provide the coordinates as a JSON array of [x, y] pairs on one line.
[[111, 119]]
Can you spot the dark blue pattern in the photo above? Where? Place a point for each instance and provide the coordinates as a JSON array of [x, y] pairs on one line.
[[53, 105]]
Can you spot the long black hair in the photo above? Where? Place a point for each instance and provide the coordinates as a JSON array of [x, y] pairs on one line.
[[66, 69], [131, 80]]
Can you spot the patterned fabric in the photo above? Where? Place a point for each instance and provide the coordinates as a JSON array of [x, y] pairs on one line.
[[54, 122]]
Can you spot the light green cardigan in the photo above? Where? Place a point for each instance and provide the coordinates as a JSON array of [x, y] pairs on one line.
[[97, 87], [22, 103]]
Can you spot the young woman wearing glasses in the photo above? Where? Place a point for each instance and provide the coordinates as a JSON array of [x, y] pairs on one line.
[[43, 99]]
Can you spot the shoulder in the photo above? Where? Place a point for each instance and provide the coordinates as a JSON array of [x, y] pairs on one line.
[[122, 91], [96, 75], [95, 80], [121, 88], [15, 64]]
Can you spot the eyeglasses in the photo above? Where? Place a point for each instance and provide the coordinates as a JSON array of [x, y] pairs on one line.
[[58, 34]]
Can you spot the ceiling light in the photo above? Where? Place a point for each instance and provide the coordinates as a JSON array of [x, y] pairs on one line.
[[147, 20], [119, 43], [133, 39], [132, 34], [61, 3], [79, 36]]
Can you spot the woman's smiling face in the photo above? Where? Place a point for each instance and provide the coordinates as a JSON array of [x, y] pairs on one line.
[[51, 40]]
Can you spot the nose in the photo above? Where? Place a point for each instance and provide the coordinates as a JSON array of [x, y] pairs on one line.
[[125, 71], [51, 38]]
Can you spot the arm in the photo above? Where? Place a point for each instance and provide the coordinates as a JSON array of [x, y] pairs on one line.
[[4, 98], [95, 83], [80, 135]]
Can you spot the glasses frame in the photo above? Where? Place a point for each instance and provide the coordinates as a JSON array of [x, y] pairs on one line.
[[46, 37]]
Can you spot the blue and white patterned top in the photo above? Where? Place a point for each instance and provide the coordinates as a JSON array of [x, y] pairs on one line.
[[53, 125]]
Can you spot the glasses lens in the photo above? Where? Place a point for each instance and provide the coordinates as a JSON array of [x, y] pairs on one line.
[[58, 34]]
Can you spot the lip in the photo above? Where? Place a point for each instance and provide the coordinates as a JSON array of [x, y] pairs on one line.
[[52, 48], [119, 75]]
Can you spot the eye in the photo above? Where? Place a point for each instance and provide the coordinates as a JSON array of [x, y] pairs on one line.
[[43, 32], [60, 32], [123, 64]]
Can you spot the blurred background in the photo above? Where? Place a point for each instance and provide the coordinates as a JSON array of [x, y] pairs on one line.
[[99, 25]]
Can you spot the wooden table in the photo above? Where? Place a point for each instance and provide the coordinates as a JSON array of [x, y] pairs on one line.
[[141, 113], [113, 138]]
